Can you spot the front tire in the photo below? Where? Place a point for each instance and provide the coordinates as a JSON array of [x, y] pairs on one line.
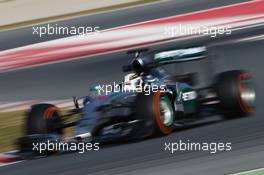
[[43, 119], [43, 122]]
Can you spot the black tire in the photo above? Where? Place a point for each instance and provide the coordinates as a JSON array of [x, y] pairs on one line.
[[236, 93], [43, 119], [148, 108]]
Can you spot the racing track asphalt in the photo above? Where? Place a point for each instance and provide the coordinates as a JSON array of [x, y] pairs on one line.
[[23, 36], [146, 157]]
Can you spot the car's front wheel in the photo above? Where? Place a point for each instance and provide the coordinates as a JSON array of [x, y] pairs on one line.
[[43, 124], [43, 119]]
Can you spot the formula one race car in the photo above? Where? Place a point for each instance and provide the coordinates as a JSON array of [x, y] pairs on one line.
[[148, 102]]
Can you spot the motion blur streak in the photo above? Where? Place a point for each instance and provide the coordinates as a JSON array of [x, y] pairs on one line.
[[76, 47], [148, 157]]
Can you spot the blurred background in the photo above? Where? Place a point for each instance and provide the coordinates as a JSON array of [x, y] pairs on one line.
[[43, 59]]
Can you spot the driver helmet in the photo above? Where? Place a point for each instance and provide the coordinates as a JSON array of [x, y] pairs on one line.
[[132, 81]]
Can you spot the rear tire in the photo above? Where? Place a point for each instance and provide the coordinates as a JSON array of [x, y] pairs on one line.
[[236, 93], [158, 111]]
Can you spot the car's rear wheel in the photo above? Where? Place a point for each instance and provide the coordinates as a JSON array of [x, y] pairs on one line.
[[236, 93], [158, 111]]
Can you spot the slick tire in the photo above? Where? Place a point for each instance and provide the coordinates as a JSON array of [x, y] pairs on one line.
[[236, 93], [43, 119], [158, 112]]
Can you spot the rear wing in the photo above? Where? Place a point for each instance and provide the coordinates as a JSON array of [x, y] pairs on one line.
[[180, 55], [155, 59]]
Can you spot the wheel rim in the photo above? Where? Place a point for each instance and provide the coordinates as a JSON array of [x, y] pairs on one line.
[[166, 111], [247, 93]]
